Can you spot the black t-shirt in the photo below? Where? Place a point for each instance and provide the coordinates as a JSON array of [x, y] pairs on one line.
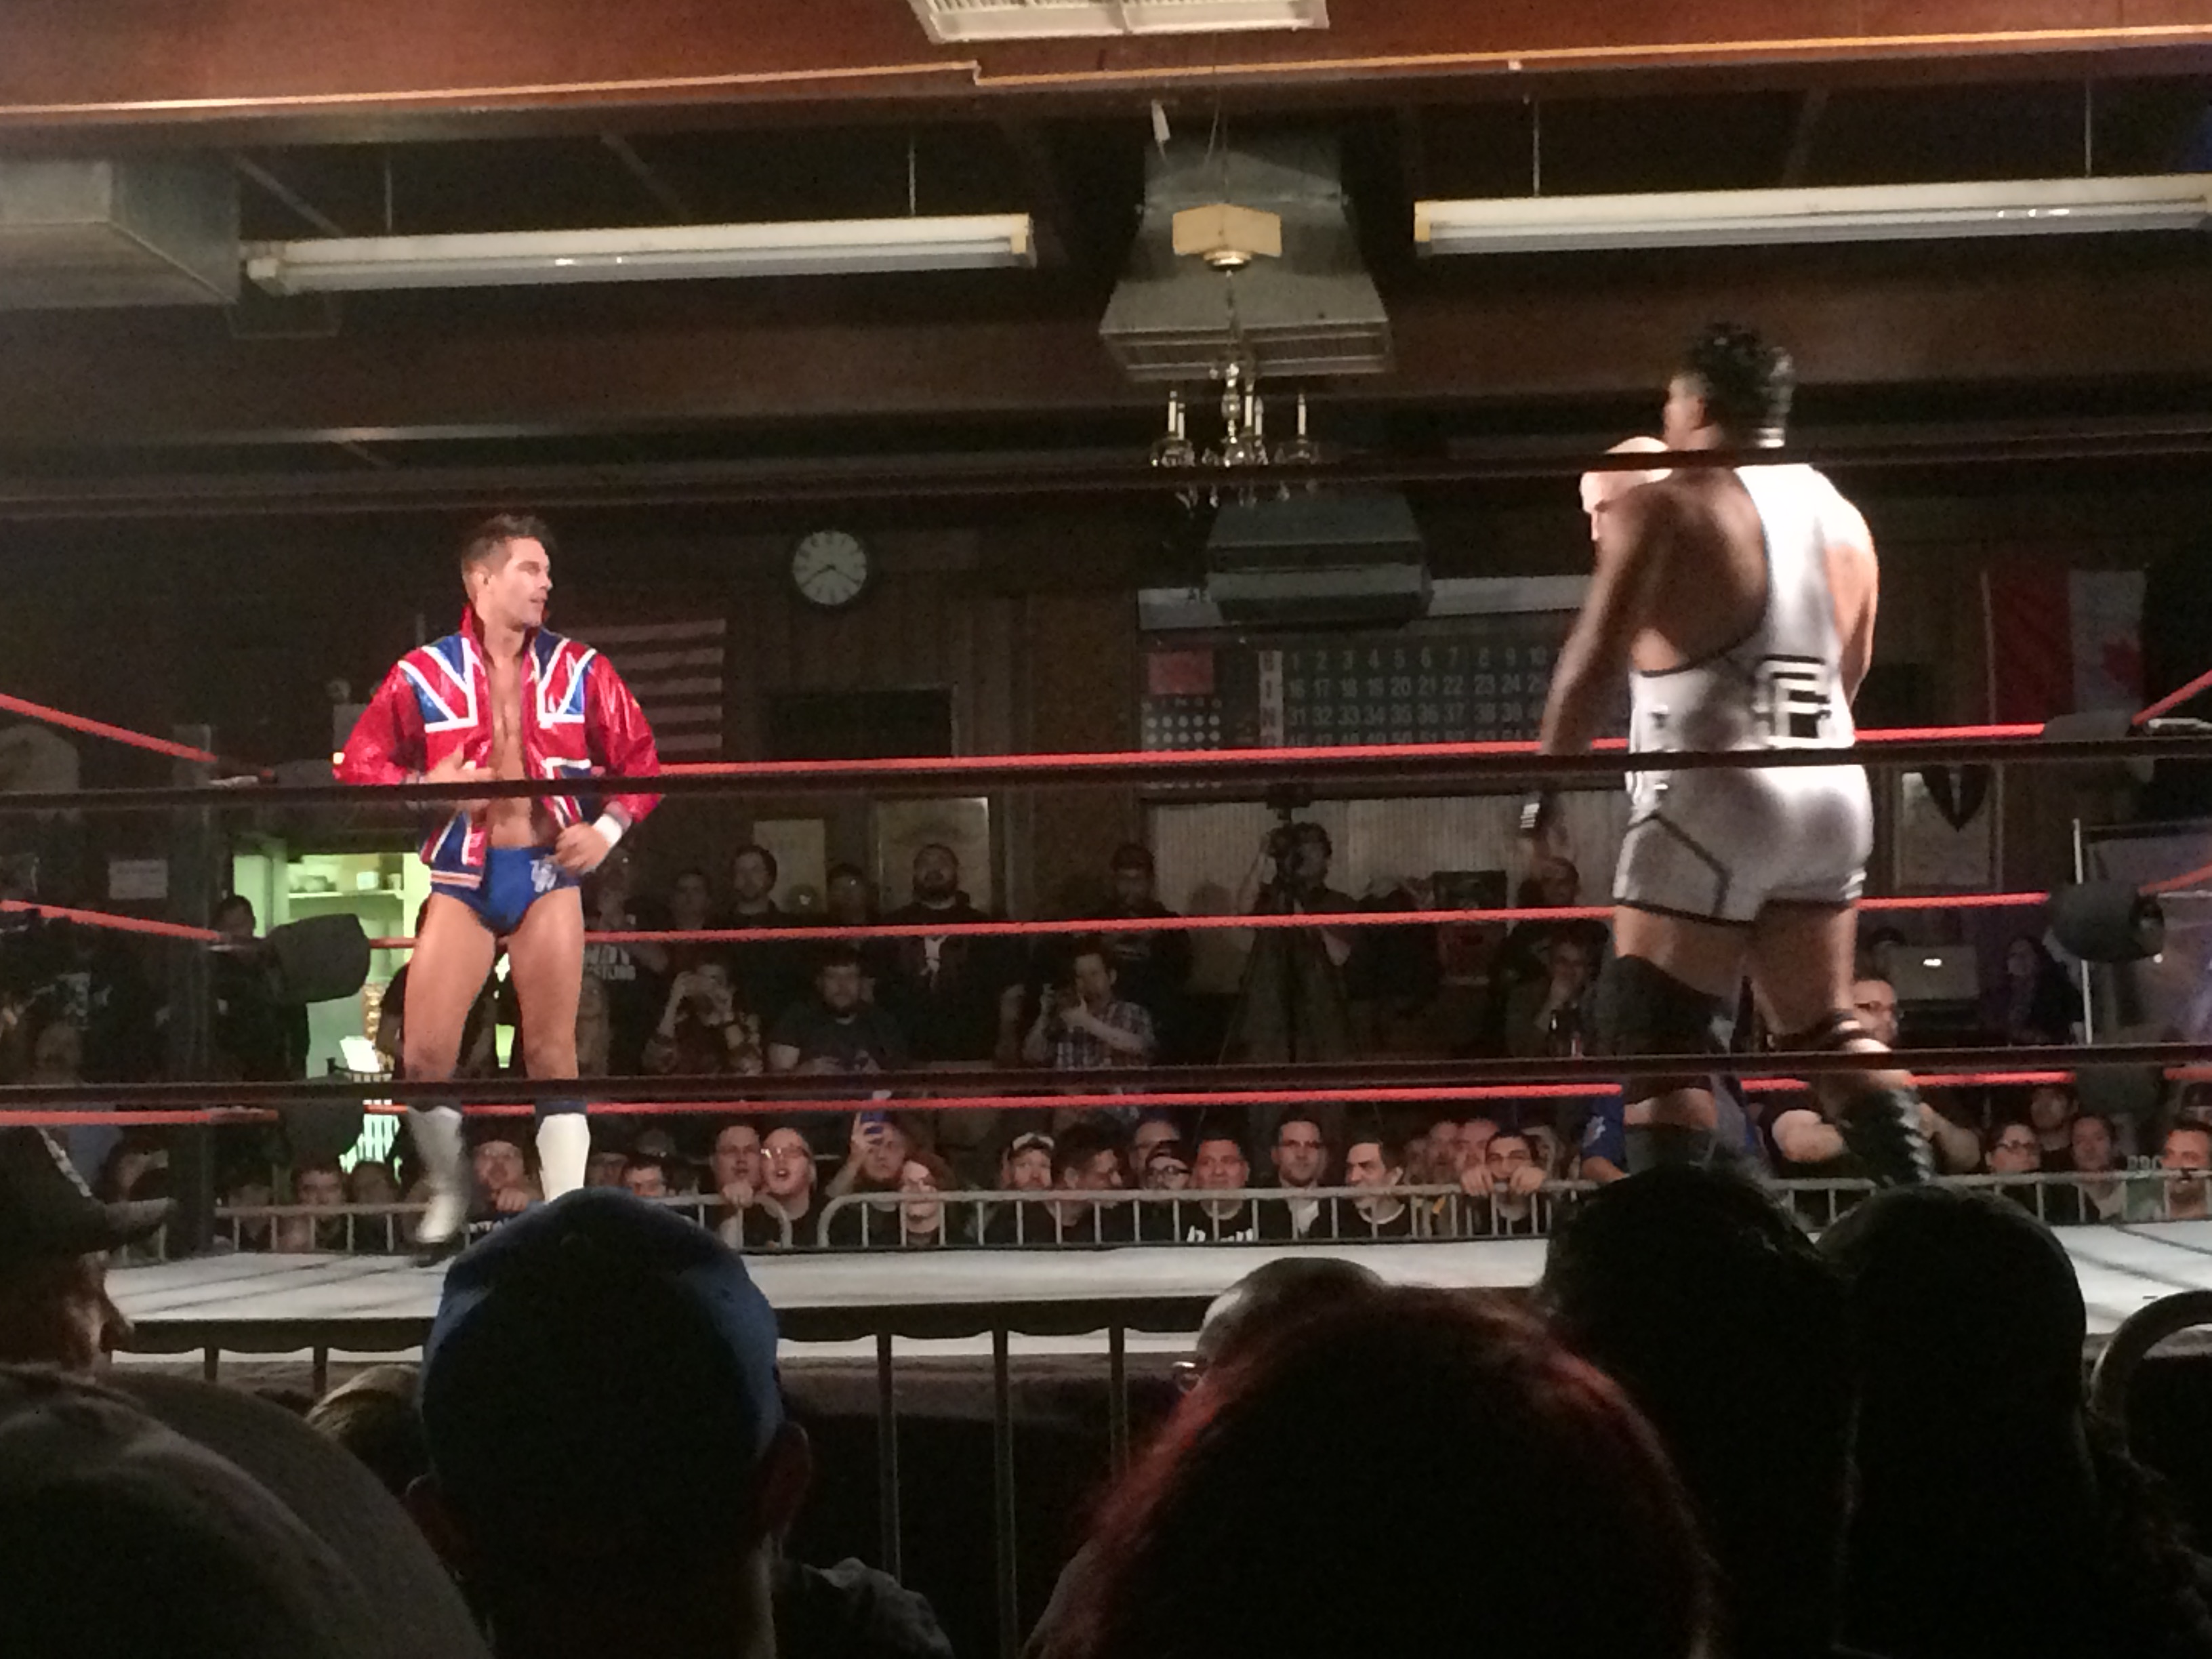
[[1279, 1219], [634, 1002], [770, 975], [1199, 1226], [818, 1033], [1351, 1224]]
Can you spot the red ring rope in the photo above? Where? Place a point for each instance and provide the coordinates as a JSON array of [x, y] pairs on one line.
[[123, 734], [1420, 1094]]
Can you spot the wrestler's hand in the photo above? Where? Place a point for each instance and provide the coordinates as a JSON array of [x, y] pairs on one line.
[[580, 849], [457, 769]]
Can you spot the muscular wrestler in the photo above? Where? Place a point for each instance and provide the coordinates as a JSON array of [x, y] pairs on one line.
[[503, 698], [1739, 604]]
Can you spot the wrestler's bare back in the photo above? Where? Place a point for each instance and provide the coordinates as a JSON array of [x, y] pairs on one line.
[[1709, 581]]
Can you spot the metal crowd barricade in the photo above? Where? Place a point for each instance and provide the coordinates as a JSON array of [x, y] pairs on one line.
[[385, 1229], [1064, 1218]]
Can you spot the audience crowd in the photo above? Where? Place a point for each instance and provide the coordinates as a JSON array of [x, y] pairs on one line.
[[77, 1006]]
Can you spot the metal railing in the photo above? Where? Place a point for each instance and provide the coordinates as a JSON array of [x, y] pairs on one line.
[[388, 1228], [1058, 1219]]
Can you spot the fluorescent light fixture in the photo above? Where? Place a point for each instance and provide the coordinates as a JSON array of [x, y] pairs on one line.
[[950, 23], [1871, 213], [645, 255]]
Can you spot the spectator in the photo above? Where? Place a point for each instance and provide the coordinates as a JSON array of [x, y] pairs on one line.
[[690, 910], [1152, 970], [1706, 1303], [57, 1057], [606, 1434], [1300, 1157], [1025, 1166], [254, 1037], [1436, 1157], [622, 974], [2094, 1150], [1086, 1158], [2015, 1151], [838, 1030], [370, 1184], [1084, 1026], [875, 1153], [949, 994], [1551, 1014], [1219, 1166], [1532, 1466], [849, 901], [502, 1167], [373, 1416], [788, 1177], [2185, 1157], [1544, 1144], [605, 1167], [1551, 882], [1257, 1308], [738, 1167], [319, 1184], [120, 1536], [1153, 1129], [1167, 1170], [1508, 1184], [55, 1238], [1874, 999], [1976, 1461], [1373, 1162], [924, 1224], [703, 1032], [2051, 1110], [248, 1188], [646, 1175], [1292, 1003], [768, 976], [2040, 1004]]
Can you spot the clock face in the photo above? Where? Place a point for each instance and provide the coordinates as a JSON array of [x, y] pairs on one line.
[[829, 567]]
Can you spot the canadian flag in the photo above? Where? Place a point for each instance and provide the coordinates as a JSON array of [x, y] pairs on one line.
[[2064, 642]]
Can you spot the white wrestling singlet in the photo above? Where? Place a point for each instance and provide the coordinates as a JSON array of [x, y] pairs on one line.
[[1716, 844]]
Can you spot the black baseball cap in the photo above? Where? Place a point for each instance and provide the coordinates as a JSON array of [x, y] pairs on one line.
[[601, 1374]]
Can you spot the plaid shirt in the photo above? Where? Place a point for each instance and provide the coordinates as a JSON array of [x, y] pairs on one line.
[[1074, 1050]]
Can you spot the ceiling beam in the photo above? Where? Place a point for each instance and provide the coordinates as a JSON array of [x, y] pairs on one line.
[[408, 68]]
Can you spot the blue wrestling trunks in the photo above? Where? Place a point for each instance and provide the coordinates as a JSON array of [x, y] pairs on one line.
[[514, 878]]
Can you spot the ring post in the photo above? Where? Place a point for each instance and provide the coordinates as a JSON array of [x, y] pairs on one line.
[[192, 893]]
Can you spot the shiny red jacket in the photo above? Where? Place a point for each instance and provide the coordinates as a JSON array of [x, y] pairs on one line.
[[579, 720]]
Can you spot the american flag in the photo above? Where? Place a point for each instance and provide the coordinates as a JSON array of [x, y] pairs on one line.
[[674, 669]]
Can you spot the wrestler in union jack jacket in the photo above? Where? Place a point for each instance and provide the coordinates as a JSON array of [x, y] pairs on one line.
[[579, 720]]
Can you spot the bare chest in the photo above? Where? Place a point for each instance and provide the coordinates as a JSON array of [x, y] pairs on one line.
[[505, 682]]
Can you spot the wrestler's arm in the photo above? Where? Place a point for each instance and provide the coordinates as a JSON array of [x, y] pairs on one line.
[[385, 744], [1850, 545], [1594, 659], [620, 743]]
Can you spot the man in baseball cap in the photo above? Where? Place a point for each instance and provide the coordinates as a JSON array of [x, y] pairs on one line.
[[606, 1432], [54, 1240]]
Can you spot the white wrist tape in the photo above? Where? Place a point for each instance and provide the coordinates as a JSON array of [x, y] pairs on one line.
[[611, 827]]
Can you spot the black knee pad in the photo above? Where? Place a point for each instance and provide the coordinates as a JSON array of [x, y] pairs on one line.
[[1642, 1009]]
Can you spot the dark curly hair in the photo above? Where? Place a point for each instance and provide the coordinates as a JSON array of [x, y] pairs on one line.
[[1747, 383]]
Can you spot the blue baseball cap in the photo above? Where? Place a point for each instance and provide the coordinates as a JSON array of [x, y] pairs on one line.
[[600, 1371]]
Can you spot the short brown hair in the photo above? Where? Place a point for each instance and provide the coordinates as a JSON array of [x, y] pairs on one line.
[[496, 532]]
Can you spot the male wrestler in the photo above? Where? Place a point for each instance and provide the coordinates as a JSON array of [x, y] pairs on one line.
[[1740, 602], [503, 698]]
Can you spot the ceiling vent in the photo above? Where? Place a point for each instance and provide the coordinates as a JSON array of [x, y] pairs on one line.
[[152, 232], [1311, 312], [1345, 559], [952, 22]]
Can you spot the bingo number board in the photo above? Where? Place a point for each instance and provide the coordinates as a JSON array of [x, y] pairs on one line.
[[1472, 680]]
